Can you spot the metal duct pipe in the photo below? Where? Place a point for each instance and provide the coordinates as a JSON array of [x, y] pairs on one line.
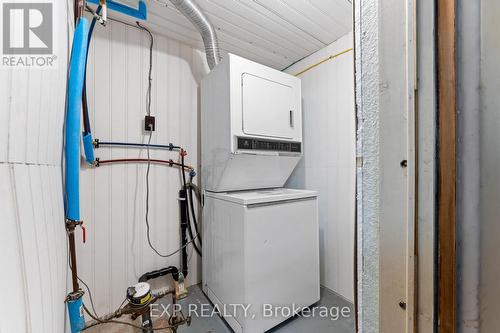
[[194, 14]]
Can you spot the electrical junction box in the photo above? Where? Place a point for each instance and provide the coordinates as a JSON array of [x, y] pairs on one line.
[[251, 126], [261, 249], [149, 123]]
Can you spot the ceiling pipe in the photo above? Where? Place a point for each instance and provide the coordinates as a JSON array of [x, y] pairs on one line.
[[194, 14]]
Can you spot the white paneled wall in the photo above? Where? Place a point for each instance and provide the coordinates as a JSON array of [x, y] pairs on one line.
[[113, 196], [33, 239], [329, 159]]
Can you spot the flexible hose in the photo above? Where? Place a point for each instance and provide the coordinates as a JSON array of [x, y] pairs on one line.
[[191, 205], [194, 14], [190, 230]]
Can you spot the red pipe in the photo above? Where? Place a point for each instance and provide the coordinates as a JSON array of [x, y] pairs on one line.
[[145, 160]]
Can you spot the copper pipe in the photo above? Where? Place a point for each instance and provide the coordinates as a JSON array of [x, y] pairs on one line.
[[70, 225], [78, 8], [145, 160]]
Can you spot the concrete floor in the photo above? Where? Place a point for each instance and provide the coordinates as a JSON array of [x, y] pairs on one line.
[[330, 300], [214, 324]]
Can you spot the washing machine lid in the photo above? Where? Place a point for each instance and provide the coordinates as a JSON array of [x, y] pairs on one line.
[[263, 196]]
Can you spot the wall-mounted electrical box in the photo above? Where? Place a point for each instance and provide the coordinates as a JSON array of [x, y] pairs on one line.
[[149, 123], [251, 126]]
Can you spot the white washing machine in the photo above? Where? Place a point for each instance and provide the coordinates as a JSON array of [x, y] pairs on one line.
[[261, 252]]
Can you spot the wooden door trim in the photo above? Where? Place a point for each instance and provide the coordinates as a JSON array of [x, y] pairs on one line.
[[447, 165]]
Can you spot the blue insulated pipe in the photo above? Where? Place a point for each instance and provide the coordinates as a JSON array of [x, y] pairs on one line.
[[72, 161], [88, 147], [73, 112], [87, 133]]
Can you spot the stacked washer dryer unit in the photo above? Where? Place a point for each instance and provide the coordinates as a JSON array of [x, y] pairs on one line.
[[261, 246]]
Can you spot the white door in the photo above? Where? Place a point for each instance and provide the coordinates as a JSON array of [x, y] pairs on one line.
[[268, 107]]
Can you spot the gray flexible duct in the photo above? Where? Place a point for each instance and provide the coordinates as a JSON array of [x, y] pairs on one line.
[[189, 9]]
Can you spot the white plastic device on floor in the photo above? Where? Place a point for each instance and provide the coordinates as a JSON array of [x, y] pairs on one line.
[[260, 241]]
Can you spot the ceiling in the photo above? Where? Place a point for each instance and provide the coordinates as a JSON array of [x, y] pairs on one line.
[[276, 33]]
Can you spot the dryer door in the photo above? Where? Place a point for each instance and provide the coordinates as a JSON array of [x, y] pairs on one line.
[[268, 107]]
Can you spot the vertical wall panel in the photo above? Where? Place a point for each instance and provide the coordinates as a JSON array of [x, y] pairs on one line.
[[28, 241], [59, 243], [329, 162], [114, 196], [57, 92], [42, 133], [135, 106], [33, 237], [5, 96], [489, 159], [36, 104], [118, 179], [33, 103], [52, 223], [18, 115], [11, 259], [41, 237], [162, 184]]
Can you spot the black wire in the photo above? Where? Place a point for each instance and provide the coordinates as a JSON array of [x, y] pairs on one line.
[[91, 298], [148, 110], [148, 231], [148, 106], [150, 77], [147, 216]]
